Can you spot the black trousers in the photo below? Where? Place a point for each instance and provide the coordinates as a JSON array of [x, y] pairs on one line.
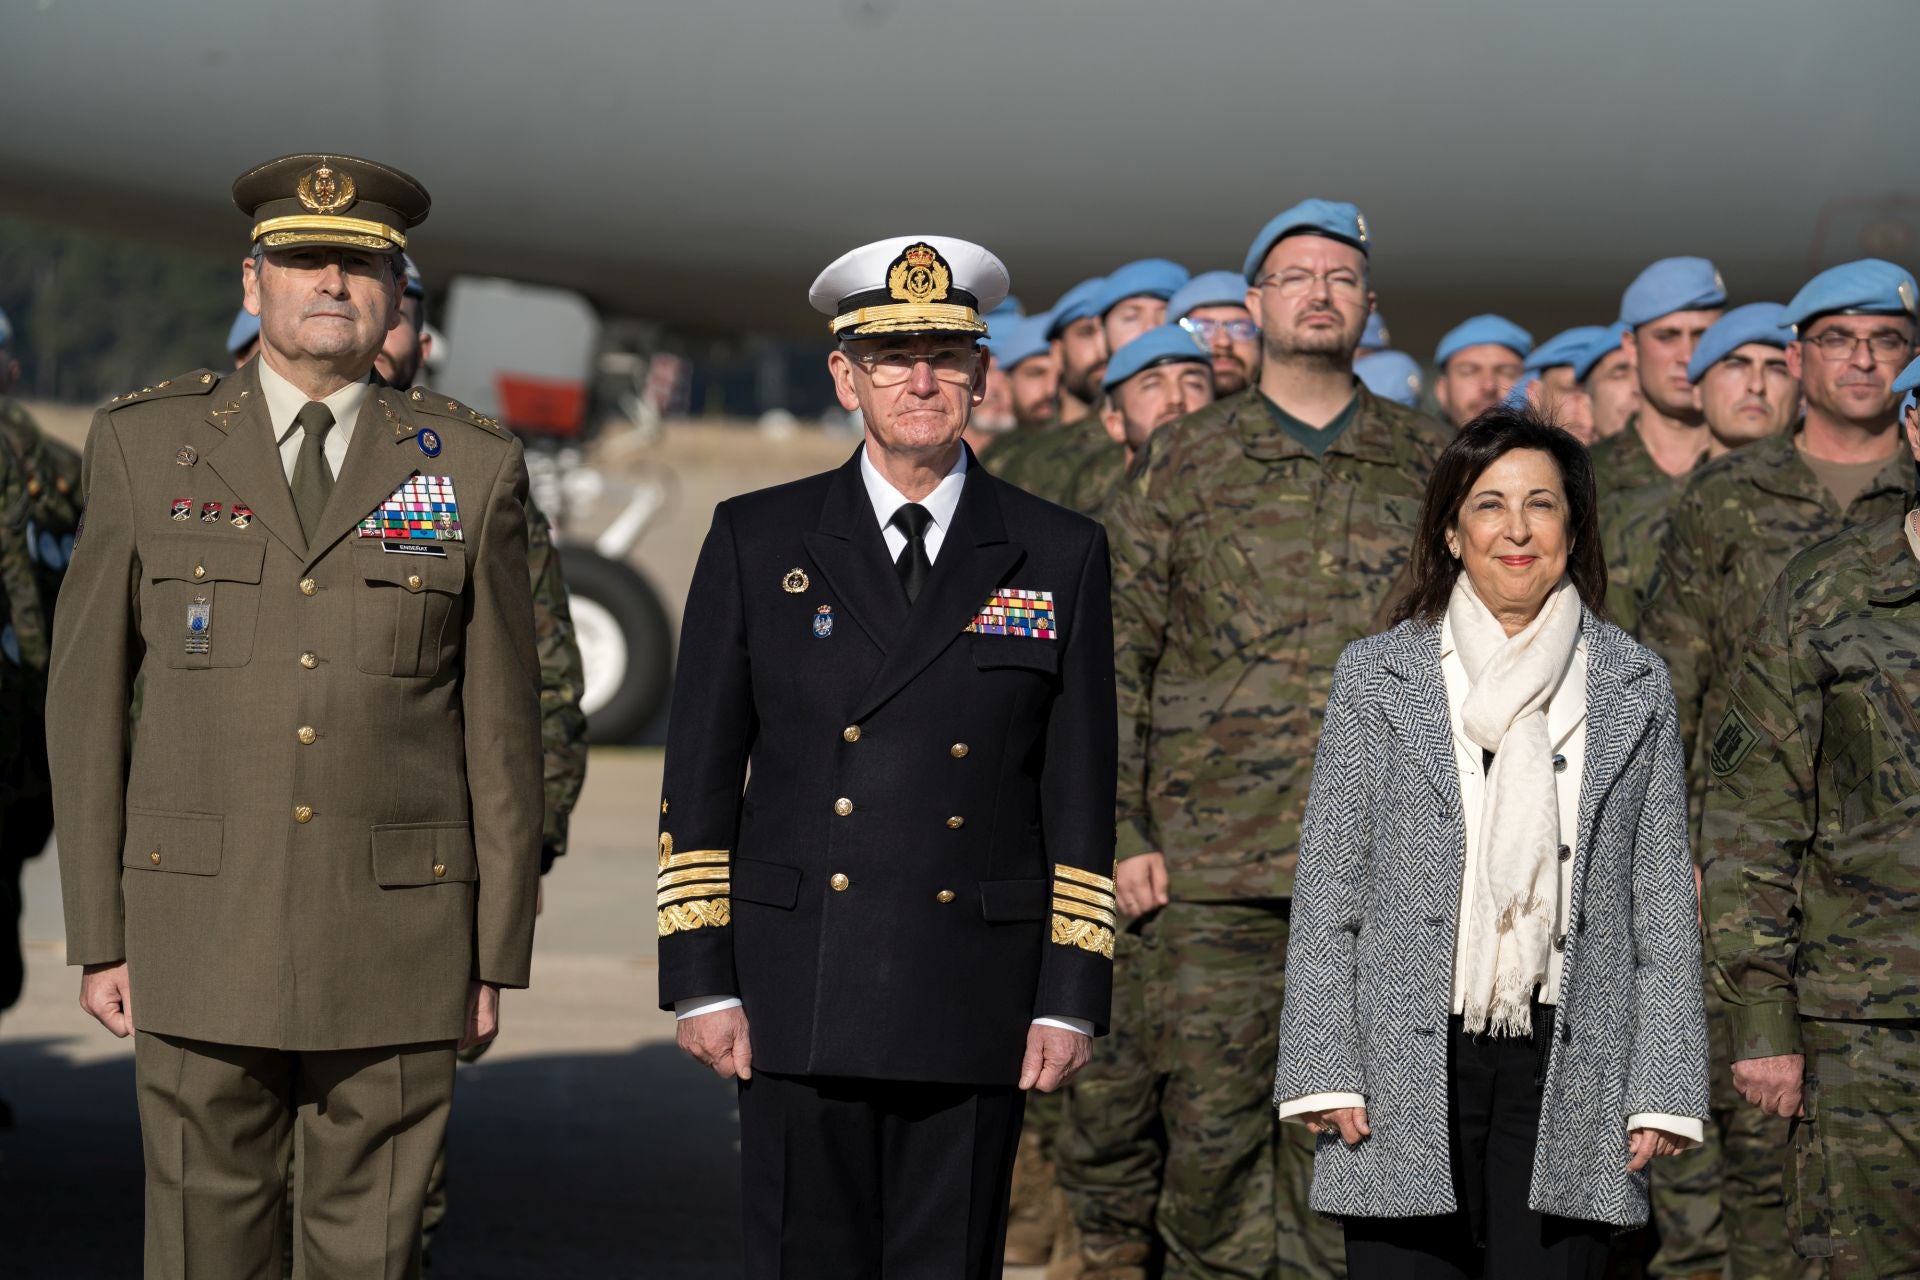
[[875, 1179], [1493, 1090]]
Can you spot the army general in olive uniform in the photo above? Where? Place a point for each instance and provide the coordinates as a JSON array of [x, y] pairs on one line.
[[306, 876]]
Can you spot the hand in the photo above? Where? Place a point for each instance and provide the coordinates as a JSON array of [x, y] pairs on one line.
[[1644, 1144], [1775, 1085], [483, 1014], [1140, 883], [104, 993], [1349, 1122], [1054, 1057], [719, 1040]]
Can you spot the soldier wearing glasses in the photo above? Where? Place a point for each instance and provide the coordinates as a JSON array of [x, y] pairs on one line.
[[1255, 540], [886, 827]]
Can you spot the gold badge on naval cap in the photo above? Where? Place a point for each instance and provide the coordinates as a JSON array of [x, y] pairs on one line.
[[325, 189], [919, 275]]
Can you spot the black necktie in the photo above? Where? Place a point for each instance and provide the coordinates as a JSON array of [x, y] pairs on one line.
[[913, 564]]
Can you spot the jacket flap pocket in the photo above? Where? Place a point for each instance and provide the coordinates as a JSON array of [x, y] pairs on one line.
[[207, 558], [1016, 651], [415, 572], [1005, 901], [770, 884], [410, 853], [188, 843]]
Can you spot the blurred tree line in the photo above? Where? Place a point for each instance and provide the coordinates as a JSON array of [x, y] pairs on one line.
[[95, 315]]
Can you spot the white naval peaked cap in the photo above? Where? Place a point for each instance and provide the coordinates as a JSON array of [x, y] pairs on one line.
[[911, 284]]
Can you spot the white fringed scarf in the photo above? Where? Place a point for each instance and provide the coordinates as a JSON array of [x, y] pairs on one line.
[[1510, 930]]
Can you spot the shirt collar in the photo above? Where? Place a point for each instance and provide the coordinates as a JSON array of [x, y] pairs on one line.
[[940, 504], [285, 401]]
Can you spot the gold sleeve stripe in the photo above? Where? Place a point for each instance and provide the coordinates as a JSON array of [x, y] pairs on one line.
[[671, 878], [684, 892], [1061, 871], [696, 858], [683, 917], [1084, 934], [1069, 907], [1063, 890]]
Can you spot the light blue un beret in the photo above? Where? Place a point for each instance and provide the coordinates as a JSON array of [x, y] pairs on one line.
[[1473, 332], [1075, 304], [1869, 286], [1145, 278], [1755, 322], [1670, 285], [245, 328], [1013, 340], [1564, 347], [1608, 339], [1208, 289], [1166, 344], [1374, 337], [1335, 218], [1391, 375]]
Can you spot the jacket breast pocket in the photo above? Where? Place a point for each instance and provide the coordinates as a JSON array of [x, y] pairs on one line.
[[992, 653], [401, 606], [181, 843], [771, 884], [423, 853], [201, 603]]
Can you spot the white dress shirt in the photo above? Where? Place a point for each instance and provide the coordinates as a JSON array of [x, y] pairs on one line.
[[941, 504], [284, 403], [1566, 713]]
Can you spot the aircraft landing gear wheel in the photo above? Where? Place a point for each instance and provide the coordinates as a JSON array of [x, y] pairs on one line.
[[626, 644]]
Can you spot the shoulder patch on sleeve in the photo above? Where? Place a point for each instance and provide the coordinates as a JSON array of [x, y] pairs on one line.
[[1732, 742], [427, 400], [198, 383]]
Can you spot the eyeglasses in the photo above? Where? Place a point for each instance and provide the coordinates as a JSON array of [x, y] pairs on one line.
[[1236, 330], [1887, 346], [891, 368], [1292, 283]]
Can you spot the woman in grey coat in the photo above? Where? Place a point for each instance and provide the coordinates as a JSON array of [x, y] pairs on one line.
[[1493, 1015]]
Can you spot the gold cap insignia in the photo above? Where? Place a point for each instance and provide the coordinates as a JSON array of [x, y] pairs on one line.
[[919, 276], [1906, 297], [1360, 222], [325, 189], [795, 582]]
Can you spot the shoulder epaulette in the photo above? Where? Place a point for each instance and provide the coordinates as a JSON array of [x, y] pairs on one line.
[[197, 383], [427, 400]]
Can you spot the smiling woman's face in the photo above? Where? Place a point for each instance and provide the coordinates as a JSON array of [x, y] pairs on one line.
[[1511, 536]]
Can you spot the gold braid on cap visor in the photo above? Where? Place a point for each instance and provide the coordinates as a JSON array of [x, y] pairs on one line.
[[907, 317], [298, 228]]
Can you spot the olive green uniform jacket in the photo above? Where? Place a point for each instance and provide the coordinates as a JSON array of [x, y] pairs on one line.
[[327, 822]]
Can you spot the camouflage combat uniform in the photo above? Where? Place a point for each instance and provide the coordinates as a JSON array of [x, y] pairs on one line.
[[1243, 564], [1733, 529], [1811, 833], [1632, 522], [1047, 462], [1621, 464]]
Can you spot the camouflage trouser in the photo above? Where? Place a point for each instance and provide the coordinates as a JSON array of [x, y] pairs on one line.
[[1721, 1207], [1195, 1077], [1854, 1188], [1035, 1204]]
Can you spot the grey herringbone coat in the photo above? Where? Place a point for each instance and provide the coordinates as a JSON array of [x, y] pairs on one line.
[[1370, 966]]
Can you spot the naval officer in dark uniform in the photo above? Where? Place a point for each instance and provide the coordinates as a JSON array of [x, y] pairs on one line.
[[886, 831]]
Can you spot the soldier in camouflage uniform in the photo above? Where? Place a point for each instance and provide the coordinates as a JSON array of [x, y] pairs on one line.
[[1739, 521], [1041, 459], [1665, 310], [1812, 820], [1258, 537]]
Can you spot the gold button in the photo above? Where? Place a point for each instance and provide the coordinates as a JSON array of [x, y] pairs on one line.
[[154, 857], [851, 733], [414, 581], [206, 379], [944, 896], [958, 750], [309, 660], [306, 735], [956, 822], [663, 806], [302, 813], [199, 571], [308, 586], [843, 806], [839, 882], [439, 869]]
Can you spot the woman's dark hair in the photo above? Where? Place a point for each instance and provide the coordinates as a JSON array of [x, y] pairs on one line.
[[1499, 431]]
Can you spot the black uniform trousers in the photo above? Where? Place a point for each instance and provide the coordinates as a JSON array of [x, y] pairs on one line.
[[1493, 1089], [875, 1179]]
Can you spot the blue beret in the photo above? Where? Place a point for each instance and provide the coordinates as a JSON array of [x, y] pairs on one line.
[[1391, 375], [1165, 344], [1334, 218], [6, 330], [1075, 304], [1869, 286], [1909, 377], [246, 327], [1208, 289], [1608, 339], [1908, 403], [1014, 340], [1755, 322], [416, 286], [1517, 393], [1670, 285], [1146, 278], [1497, 330], [1008, 310], [1565, 347], [1374, 337]]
